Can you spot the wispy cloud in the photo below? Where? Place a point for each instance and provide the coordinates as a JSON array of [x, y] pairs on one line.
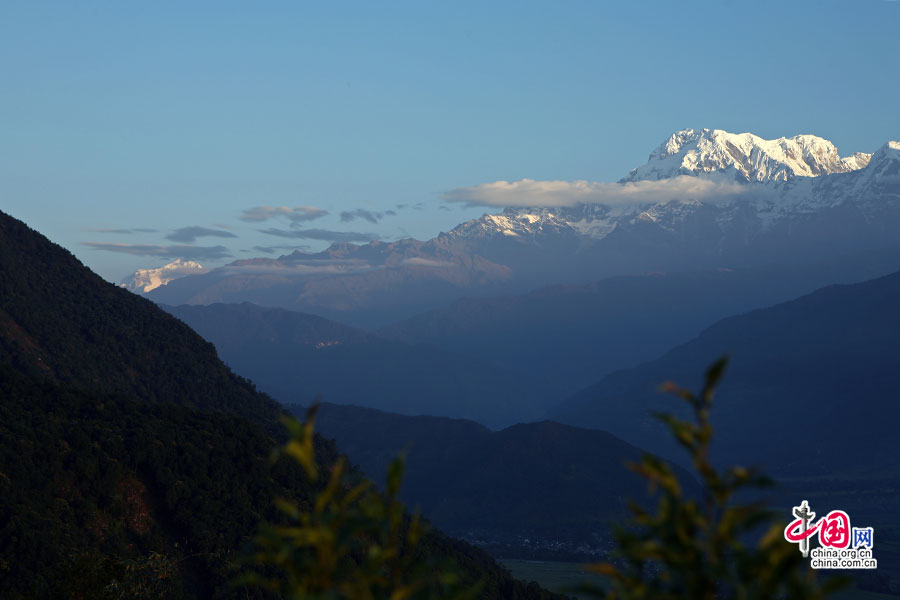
[[122, 231], [372, 216], [322, 235], [531, 193], [418, 261], [176, 251], [416, 206], [189, 234], [298, 214], [299, 268], [274, 249]]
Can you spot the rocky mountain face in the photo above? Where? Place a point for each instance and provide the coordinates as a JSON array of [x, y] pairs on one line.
[[705, 199]]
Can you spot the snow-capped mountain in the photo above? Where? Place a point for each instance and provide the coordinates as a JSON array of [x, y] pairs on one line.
[[745, 157], [778, 180], [145, 280]]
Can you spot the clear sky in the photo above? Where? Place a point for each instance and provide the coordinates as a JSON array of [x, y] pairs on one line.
[[167, 121]]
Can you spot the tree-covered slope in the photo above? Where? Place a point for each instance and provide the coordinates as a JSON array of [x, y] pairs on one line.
[[60, 321], [92, 486]]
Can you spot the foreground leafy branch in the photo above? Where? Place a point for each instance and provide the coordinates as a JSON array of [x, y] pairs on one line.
[[696, 548], [353, 542]]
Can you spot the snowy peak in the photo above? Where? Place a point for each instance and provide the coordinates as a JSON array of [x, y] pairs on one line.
[[745, 157], [881, 178], [514, 222], [886, 162], [145, 280]]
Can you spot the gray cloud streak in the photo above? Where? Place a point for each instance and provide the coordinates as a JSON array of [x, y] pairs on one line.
[[189, 234], [273, 249], [322, 235], [372, 216], [298, 214], [123, 231], [176, 251]]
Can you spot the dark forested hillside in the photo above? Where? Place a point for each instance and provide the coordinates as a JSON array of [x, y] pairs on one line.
[[295, 357], [133, 463], [93, 484], [60, 321]]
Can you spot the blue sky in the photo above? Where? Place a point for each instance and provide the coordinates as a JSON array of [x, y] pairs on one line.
[[165, 117]]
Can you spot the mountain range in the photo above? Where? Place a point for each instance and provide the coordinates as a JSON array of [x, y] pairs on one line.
[[809, 396], [575, 334], [705, 199], [817, 375]]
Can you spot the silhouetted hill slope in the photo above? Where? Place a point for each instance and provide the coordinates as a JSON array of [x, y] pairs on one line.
[[99, 489], [125, 458], [574, 335], [296, 356], [61, 321], [91, 484], [811, 385], [560, 487]]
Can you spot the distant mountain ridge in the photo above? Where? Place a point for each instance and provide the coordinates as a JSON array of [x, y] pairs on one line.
[[810, 395], [360, 285], [536, 490], [296, 357], [574, 334], [827, 362]]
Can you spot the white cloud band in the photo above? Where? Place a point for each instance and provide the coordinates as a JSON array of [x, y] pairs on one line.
[[546, 194]]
